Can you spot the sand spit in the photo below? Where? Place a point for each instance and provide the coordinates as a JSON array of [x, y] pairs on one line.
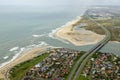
[[78, 37]]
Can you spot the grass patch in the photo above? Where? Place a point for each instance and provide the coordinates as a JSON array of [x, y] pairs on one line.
[[66, 77], [82, 78], [17, 72]]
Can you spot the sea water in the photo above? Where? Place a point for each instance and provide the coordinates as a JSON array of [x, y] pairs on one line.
[[21, 31]]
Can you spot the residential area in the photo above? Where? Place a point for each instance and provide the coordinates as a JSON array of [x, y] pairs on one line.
[[55, 67], [103, 66]]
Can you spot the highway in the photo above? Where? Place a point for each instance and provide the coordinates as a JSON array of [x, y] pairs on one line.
[[79, 66]]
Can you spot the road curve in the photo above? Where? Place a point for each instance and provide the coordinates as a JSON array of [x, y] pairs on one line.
[[93, 50], [82, 61]]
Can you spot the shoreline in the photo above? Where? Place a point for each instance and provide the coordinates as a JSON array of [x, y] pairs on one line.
[[22, 50], [53, 35], [22, 58], [115, 42], [78, 38]]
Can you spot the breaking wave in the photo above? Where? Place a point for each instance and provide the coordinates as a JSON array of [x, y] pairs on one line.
[[52, 34], [23, 50], [36, 36], [14, 49], [6, 57]]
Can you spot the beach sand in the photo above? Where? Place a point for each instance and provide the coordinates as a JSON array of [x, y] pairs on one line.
[[24, 57], [78, 37]]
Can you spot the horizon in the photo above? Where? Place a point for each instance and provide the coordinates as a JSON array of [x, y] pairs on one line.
[[12, 6]]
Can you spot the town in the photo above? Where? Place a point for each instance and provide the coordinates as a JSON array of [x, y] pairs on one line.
[[103, 66], [55, 67], [69, 64]]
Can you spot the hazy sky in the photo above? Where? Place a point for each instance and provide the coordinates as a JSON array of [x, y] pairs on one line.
[[58, 2], [46, 5]]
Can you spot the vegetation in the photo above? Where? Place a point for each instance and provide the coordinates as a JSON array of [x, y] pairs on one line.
[[81, 77], [17, 72], [112, 23], [92, 26]]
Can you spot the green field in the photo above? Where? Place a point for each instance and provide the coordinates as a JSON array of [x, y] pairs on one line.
[[19, 71]]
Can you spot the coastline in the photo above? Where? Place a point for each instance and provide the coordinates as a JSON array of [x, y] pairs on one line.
[[115, 42], [21, 50], [22, 58], [78, 38]]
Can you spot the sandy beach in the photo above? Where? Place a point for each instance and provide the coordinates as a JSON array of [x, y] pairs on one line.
[[24, 57], [78, 37]]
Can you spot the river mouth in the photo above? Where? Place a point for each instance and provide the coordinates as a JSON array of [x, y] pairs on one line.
[[27, 30]]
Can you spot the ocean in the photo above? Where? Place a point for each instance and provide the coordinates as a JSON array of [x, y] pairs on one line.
[[21, 31]]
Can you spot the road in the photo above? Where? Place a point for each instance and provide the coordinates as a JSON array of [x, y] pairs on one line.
[[79, 66]]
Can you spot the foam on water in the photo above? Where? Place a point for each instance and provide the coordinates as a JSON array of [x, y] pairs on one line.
[[53, 32], [14, 49], [6, 57], [14, 57], [52, 35], [36, 36], [23, 50]]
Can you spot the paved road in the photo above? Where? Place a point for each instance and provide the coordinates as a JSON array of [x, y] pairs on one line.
[[94, 50], [83, 60]]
